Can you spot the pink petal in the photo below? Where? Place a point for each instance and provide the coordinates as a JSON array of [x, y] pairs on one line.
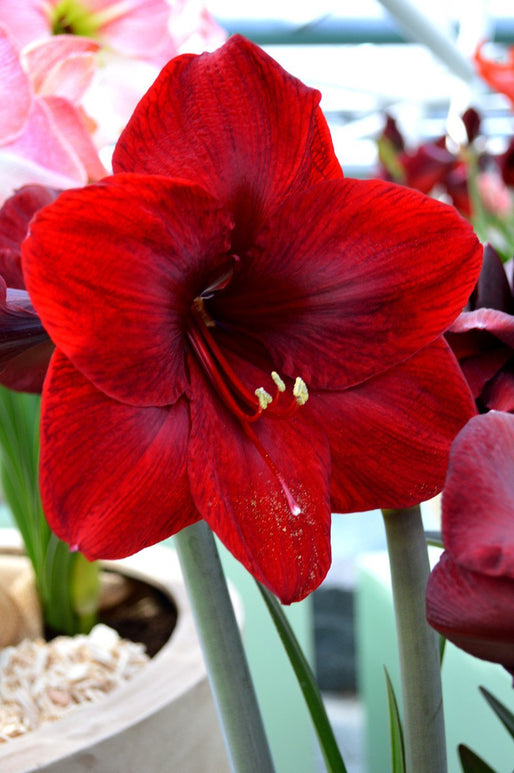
[[137, 28], [351, 277], [478, 499], [145, 250], [73, 132], [248, 501], [26, 21], [121, 487], [390, 436], [473, 611], [258, 132], [42, 145], [62, 65], [193, 28], [15, 91]]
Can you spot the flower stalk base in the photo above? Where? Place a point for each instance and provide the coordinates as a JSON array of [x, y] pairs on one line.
[[229, 675], [423, 720]]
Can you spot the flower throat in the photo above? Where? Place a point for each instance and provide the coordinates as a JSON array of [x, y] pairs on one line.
[[246, 406]]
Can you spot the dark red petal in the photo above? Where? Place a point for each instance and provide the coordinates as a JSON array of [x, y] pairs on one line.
[[473, 611], [25, 348], [427, 166], [478, 498], [113, 269], [482, 368], [241, 498], [113, 477], [498, 323], [493, 289], [15, 216], [499, 394], [350, 278], [390, 437], [236, 123]]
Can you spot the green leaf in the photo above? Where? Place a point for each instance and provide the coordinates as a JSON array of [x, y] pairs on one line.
[[396, 729], [501, 711], [442, 648], [67, 608], [471, 762], [307, 682]]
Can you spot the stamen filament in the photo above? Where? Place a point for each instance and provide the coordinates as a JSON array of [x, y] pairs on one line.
[[218, 382]]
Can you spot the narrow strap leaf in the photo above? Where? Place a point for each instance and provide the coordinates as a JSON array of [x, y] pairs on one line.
[[396, 729], [330, 750], [471, 762], [501, 711]]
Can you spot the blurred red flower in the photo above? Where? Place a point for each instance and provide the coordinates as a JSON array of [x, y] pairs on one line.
[[499, 75], [470, 590], [482, 337]]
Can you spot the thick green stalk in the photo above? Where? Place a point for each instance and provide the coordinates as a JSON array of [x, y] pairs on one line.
[[229, 675], [423, 721]]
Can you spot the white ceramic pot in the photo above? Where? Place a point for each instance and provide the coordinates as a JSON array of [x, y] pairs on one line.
[[162, 721]]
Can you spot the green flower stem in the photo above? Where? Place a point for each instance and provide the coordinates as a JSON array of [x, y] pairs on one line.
[[222, 647], [423, 721]]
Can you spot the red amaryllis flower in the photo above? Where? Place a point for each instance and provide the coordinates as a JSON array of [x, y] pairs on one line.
[[25, 348], [471, 590], [499, 75], [226, 273], [482, 337]]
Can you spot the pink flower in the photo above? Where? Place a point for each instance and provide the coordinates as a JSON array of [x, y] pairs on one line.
[[43, 135], [494, 194], [151, 30], [136, 38]]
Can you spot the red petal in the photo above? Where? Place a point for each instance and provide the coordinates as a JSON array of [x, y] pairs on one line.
[[473, 611], [478, 499], [390, 437], [499, 75], [241, 498], [350, 278], [141, 249], [15, 216], [236, 123], [115, 481]]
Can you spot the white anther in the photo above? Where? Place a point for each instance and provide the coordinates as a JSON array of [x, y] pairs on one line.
[[263, 397], [278, 381], [300, 391]]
